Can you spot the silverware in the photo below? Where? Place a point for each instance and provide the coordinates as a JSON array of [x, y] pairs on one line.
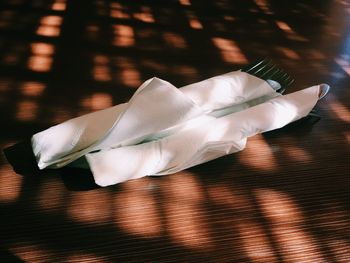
[[267, 70]]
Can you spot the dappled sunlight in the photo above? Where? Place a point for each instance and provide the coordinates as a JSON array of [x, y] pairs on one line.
[[51, 196], [255, 242], [282, 199], [339, 109], [284, 26], [124, 36], [340, 249], [344, 64], [130, 77], [128, 74], [289, 53], [264, 6], [154, 65], [85, 257], [184, 213], [335, 217], [51, 20], [101, 60], [102, 73], [26, 110], [43, 49], [183, 187], [185, 2], [101, 70], [40, 63], [145, 15], [185, 225], [10, 184], [41, 59], [50, 26], [48, 31], [297, 154], [32, 88], [316, 54], [90, 207], [221, 194], [229, 18], [97, 101], [188, 71], [279, 207], [30, 252], [59, 5], [174, 40], [259, 155], [230, 51], [287, 226], [193, 20], [118, 11], [137, 210], [290, 33], [297, 246]]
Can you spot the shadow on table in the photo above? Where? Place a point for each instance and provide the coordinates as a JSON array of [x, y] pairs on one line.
[[22, 159]]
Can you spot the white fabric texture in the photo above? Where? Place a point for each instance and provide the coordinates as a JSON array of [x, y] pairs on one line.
[[163, 130], [203, 141], [156, 109]]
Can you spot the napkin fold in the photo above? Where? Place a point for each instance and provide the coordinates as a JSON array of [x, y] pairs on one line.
[[163, 129]]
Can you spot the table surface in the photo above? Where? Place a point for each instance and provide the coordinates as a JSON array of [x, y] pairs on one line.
[[285, 198]]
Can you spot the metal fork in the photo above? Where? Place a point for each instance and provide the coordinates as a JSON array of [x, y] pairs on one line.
[[267, 70]]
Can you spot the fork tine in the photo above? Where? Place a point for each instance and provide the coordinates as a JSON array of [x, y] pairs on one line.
[[285, 84], [267, 72], [262, 70], [260, 67], [274, 75], [250, 68], [288, 79], [282, 77], [291, 82], [266, 69]]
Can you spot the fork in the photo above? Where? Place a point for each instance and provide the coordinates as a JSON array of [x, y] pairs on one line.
[[267, 70]]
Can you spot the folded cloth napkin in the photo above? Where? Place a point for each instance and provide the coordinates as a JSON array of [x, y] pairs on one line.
[[163, 130], [203, 140], [157, 109]]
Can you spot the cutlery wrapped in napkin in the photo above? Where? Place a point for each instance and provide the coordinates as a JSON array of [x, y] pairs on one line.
[[204, 140], [163, 129], [156, 109]]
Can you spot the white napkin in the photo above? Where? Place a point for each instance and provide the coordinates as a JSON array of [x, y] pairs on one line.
[[157, 109], [162, 129], [203, 140]]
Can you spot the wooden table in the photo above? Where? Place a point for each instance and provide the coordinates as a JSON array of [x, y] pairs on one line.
[[285, 198]]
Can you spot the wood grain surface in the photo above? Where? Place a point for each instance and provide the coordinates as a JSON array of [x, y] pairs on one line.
[[285, 198]]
